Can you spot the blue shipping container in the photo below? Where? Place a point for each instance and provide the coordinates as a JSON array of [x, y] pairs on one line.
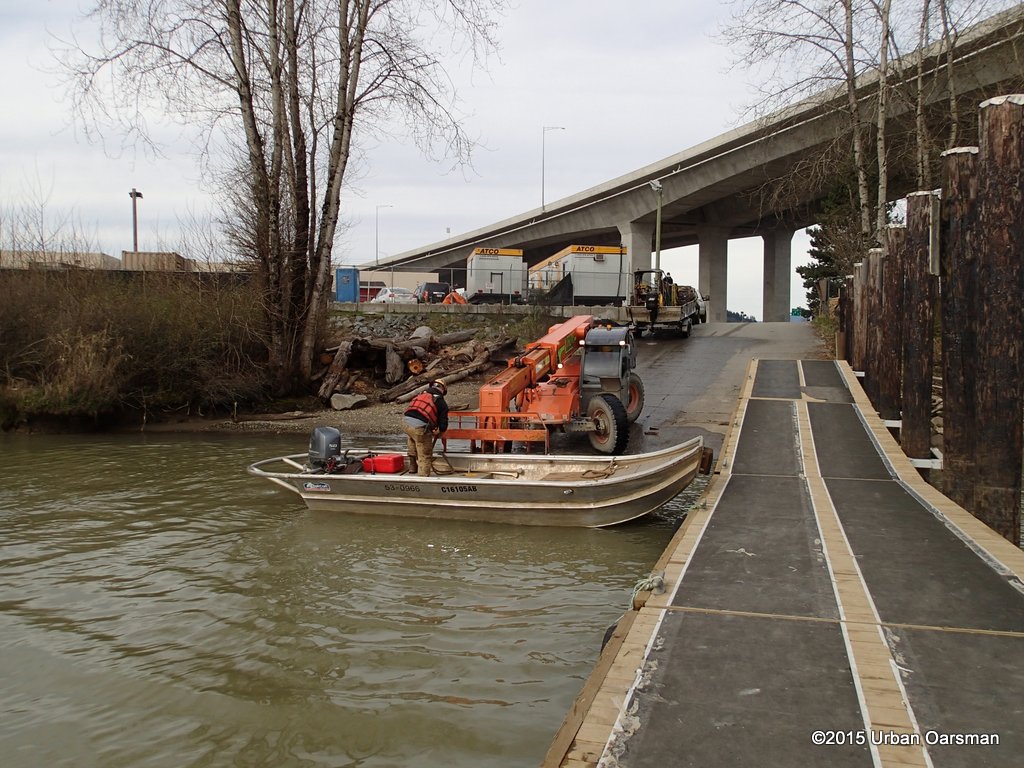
[[346, 284]]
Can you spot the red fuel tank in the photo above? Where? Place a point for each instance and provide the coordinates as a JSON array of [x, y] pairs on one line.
[[385, 463]]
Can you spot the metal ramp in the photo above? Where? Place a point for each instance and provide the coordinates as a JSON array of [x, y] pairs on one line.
[[826, 593]]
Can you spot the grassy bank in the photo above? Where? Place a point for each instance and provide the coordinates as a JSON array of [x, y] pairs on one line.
[[827, 326], [83, 349], [86, 347]]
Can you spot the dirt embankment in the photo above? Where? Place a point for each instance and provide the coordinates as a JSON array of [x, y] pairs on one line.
[[373, 417], [370, 419]]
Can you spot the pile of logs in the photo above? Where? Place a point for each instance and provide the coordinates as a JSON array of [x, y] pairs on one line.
[[406, 365]]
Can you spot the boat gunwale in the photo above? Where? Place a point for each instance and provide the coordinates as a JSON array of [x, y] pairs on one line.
[[672, 454], [604, 501]]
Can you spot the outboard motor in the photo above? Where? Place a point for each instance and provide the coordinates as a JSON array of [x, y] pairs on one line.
[[324, 444]]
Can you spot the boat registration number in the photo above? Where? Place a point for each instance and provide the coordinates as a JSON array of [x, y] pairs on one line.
[[458, 489], [404, 487]]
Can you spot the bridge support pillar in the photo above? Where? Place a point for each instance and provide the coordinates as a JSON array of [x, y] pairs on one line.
[[713, 269], [778, 266], [638, 238]]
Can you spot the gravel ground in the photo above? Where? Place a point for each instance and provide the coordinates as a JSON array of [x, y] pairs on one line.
[[375, 419]]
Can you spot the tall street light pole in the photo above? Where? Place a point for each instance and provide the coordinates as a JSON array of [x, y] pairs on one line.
[[656, 186], [543, 140], [135, 195], [376, 232]]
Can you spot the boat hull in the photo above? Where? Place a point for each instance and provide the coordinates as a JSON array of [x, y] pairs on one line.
[[567, 491]]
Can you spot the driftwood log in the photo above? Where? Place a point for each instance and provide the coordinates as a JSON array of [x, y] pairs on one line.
[[421, 359], [466, 352], [414, 384], [431, 342], [456, 337], [397, 344], [478, 364], [394, 365], [335, 371]]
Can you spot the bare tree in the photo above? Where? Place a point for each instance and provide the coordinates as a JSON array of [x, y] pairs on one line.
[[853, 104], [33, 230], [880, 122], [823, 48], [955, 16], [948, 41], [923, 171], [291, 84], [807, 48]]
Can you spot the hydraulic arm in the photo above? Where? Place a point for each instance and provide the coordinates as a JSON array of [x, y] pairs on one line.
[[541, 358], [542, 390]]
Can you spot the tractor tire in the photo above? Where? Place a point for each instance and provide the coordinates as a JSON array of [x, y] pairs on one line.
[[635, 403], [612, 432]]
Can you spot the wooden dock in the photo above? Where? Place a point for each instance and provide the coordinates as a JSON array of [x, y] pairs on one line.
[[825, 606]]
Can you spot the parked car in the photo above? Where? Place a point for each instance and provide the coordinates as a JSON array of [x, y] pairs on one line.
[[368, 289], [431, 293], [394, 296], [702, 308]]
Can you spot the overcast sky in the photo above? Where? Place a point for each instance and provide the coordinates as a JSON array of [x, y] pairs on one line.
[[629, 88]]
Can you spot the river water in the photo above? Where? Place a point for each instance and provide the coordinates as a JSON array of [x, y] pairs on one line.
[[160, 607]]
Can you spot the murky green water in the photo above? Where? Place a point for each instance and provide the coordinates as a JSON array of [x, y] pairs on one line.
[[159, 607]]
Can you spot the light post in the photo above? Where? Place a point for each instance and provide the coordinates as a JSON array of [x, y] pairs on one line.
[[376, 232], [135, 195], [543, 140], [656, 186]]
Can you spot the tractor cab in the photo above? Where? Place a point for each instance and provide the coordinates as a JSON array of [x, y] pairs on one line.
[[648, 288], [609, 357]]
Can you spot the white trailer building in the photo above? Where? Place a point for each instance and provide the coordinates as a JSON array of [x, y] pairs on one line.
[[599, 273], [496, 275]]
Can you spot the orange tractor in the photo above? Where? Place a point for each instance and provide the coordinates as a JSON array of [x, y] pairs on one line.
[[577, 378]]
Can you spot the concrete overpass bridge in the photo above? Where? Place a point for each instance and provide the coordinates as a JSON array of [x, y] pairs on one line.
[[721, 189]]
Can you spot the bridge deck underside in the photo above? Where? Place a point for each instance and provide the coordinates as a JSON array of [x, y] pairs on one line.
[[770, 173]]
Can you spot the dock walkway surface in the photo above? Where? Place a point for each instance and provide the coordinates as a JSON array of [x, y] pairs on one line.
[[826, 607]]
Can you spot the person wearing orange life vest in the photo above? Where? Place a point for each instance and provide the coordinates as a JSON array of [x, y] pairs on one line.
[[424, 420]]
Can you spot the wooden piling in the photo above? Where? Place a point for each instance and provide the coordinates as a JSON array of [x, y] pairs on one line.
[[959, 320], [843, 322], [918, 330], [859, 315], [891, 320], [873, 302], [848, 318], [1000, 275]]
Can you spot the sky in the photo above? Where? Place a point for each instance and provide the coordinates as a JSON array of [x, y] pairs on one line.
[[627, 88]]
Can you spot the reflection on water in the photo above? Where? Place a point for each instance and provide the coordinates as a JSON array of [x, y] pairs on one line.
[[162, 608]]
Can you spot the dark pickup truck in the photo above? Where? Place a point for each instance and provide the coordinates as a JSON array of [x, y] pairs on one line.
[[431, 293]]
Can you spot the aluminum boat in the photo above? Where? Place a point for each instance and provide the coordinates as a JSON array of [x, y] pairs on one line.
[[518, 489]]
